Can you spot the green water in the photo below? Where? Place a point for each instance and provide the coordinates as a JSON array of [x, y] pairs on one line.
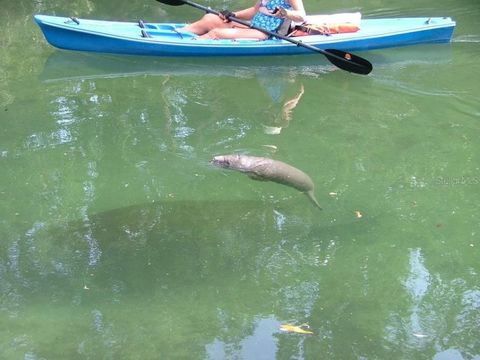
[[118, 239]]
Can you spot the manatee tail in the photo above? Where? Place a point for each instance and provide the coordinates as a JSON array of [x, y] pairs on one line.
[[312, 198]]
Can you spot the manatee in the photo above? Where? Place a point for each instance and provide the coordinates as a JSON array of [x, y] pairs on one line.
[[265, 169]]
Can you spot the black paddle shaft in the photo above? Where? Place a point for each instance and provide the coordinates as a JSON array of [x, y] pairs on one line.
[[343, 60]]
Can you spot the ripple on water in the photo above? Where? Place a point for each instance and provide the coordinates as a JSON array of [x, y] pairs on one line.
[[6, 98], [469, 39]]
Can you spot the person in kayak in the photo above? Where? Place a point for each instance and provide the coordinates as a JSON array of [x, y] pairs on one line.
[[266, 14]]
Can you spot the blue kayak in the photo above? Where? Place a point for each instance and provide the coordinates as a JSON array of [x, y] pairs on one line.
[[165, 39]]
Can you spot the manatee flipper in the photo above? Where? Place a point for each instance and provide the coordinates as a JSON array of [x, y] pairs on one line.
[[312, 198], [257, 177]]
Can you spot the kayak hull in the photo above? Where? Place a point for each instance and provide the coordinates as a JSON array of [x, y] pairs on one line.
[[164, 39]]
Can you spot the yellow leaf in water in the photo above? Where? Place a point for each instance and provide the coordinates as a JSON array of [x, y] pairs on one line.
[[302, 329]]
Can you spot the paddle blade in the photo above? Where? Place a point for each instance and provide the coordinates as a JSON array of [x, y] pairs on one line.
[[172, 2], [348, 61]]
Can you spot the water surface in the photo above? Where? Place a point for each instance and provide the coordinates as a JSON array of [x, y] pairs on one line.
[[118, 239]]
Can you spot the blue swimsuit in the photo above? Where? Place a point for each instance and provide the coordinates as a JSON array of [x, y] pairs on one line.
[[267, 22]]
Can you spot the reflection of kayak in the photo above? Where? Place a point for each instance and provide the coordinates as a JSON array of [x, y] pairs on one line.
[[165, 39], [69, 65], [66, 65]]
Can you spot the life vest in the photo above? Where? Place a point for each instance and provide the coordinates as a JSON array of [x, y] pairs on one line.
[[328, 24]]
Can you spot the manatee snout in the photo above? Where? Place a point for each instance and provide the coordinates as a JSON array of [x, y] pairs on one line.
[[225, 161], [218, 160]]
